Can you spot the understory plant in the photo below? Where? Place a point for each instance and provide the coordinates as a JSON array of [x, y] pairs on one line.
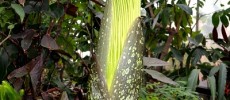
[[7, 92], [162, 91]]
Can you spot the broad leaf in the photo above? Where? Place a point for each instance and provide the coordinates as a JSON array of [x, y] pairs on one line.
[[212, 86], [35, 73], [160, 77], [197, 54], [193, 80], [27, 38], [57, 10], [177, 54], [186, 8], [4, 63], [222, 81], [193, 41], [199, 38], [19, 10], [224, 20], [45, 5], [148, 61], [49, 43], [22, 71], [71, 10], [215, 19]]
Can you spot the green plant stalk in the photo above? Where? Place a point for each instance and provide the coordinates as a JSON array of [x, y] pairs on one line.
[[119, 53], [7, 92], [222, 81]]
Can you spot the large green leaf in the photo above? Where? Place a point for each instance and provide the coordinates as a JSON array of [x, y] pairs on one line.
[[199, 38], [177, 54], [193, 80], [160, 77], [57, 10], [186, 8], [212, 86], [224, 20], [19, 10], [197, 54], [222, 81], [215, 19]]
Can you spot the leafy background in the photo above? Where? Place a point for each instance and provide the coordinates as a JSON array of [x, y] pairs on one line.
[[42, 44]]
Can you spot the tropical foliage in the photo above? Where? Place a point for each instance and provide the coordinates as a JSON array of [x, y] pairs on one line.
[[81, 49]]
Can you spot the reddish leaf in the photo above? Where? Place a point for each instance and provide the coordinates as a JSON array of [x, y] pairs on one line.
[[30, 32], [27, 37], [26, 42], [49, 42], [18, 84], [215, 34], [22, 2], [224, 34], [45, 96], [18, 72], [71, 10], [35, 73], [23, 70]]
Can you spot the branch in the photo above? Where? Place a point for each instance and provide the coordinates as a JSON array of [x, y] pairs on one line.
[[5, 39], [51, 25], [197, 16], [98, 2]]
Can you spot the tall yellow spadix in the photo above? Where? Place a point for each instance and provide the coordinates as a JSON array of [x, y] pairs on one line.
[[119, 52], [124, 13]]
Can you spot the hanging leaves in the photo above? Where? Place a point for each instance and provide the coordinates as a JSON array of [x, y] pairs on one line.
[[215, 19], [224, 34], [224, 20], [214, 34]]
